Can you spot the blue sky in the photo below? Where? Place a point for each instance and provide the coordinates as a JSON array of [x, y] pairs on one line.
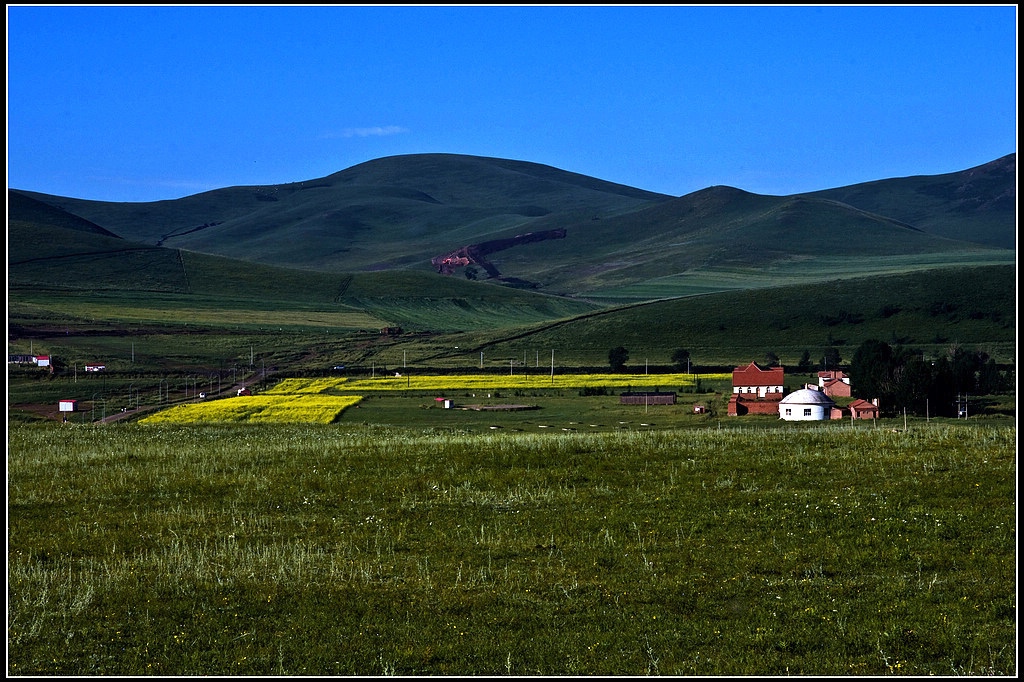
[[142, 103]]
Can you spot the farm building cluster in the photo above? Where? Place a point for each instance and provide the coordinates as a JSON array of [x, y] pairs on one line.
[[760, 390]]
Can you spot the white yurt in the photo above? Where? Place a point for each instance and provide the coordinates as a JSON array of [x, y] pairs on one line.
[[805, 405]]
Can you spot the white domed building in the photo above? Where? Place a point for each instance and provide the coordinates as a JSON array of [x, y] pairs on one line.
[[806, 405]]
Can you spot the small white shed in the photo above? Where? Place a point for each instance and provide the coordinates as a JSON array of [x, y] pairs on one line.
[[806, 405], [67, 405]]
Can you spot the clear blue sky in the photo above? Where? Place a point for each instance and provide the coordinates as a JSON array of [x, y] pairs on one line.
[[142, 103]]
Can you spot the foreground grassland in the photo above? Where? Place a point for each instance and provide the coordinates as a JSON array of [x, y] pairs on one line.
[[339, 549]]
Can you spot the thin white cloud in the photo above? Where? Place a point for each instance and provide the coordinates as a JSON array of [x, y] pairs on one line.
[[374, 131]]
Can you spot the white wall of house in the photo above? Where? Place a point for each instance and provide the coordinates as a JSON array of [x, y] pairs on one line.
[[802, 412], [761, 391]]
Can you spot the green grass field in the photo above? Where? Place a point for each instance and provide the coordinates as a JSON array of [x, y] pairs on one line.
[[373, 550]]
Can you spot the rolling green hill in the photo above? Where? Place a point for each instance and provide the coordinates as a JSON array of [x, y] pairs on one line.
[[727, 273], [721, 232], [928, 309], [392, 213], [59, 267], [621, 243], [977, 205]]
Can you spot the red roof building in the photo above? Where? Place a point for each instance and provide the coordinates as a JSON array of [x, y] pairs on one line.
[[862, 409], [753, 381], [756, 390], [832, 375], [836, 387]]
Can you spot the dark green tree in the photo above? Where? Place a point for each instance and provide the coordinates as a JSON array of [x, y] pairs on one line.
[[805, 362], [617, 358], [871, 371], [910, 383], [990, 379], [831, 359], [771, 359], [942, 394], [681, 358], [965, 365]]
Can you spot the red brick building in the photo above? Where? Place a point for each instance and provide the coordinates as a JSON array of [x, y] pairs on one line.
[[862, 409], [756, 390], [836, 387]]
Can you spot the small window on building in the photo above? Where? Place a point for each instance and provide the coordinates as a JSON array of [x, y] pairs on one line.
[[807, 412], [788, 412]]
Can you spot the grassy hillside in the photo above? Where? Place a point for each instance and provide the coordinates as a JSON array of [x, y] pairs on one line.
[[977, 205], [59, 268], [621, 243], [69, 279], [722, 231], [790, 272], [930, 309]]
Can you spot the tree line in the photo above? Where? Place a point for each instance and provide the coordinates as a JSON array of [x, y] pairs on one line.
[[901, 378]]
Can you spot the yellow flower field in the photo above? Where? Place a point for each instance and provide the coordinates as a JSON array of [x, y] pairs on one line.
[[308, 400], [278, 408], [294, 386], [498, 381]]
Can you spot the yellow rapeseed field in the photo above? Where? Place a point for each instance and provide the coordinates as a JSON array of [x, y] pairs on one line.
[[522, 381], [293, 386], [306, 408], [311, 400]]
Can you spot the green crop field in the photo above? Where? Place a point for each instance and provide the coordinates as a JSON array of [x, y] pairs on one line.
[[344, 549]]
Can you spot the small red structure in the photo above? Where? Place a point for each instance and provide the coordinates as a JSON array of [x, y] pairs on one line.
[[836, 388], [244, 391], [862, 409], [700, 409], [832, 374], [740, 405]]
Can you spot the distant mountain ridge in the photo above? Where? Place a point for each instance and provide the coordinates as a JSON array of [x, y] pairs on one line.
[[400, 212]]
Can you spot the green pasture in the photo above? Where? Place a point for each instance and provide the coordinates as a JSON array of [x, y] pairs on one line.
[[795, 271], [345, 549]]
